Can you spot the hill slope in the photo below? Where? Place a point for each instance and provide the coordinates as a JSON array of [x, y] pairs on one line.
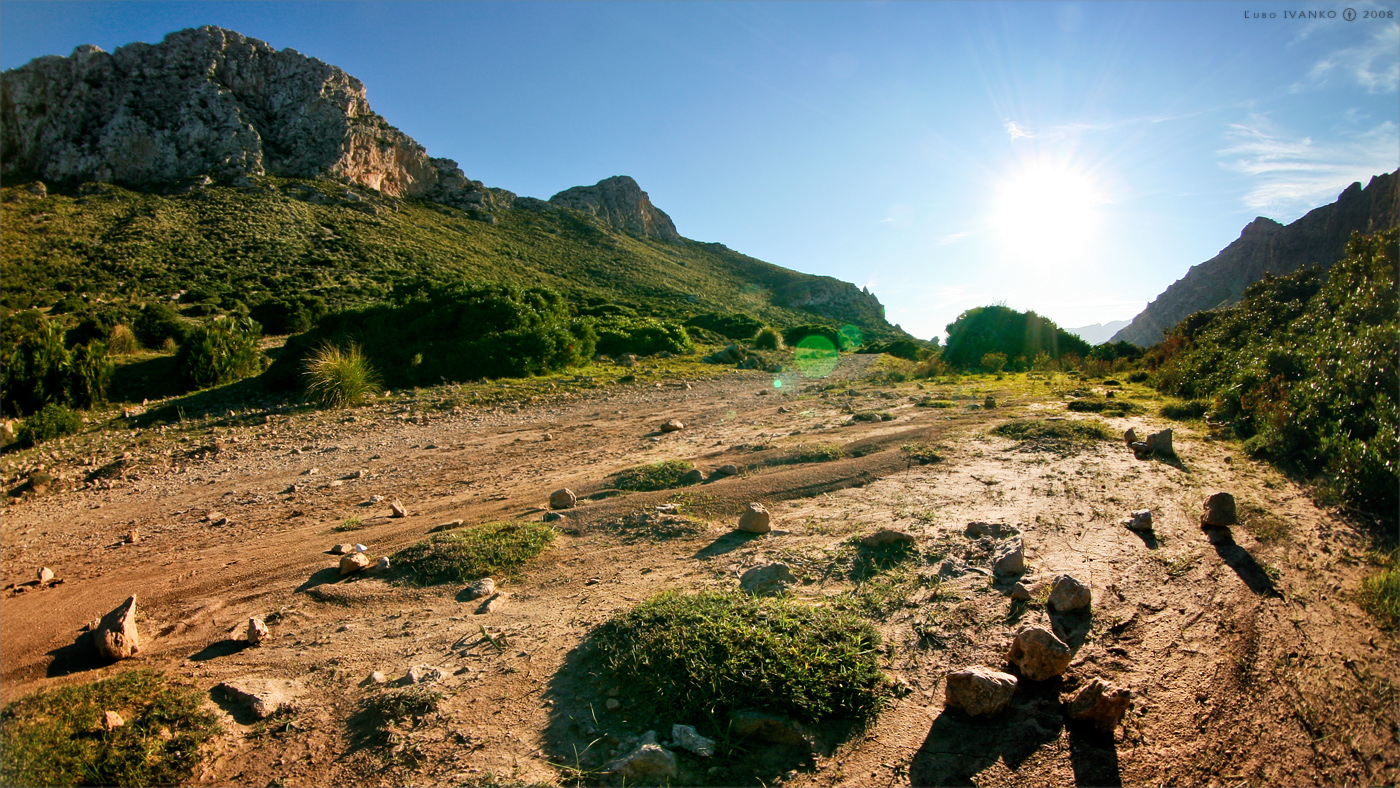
[[1267, 247]]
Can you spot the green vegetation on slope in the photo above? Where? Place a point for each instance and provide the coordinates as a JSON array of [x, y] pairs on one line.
[[1304, 368]]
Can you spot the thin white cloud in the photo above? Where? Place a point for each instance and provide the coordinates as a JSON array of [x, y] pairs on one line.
[[1015, 132], [1294, 173], [952, 238], [1374, 64]]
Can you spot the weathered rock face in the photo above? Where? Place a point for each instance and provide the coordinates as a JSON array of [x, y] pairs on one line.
[[622, 204], [210, 103], [979, 690], [1267, 247]]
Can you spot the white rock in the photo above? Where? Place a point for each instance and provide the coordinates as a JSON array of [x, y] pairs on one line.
[[257, 631], [45, 574], [686, 737], [116, 636]]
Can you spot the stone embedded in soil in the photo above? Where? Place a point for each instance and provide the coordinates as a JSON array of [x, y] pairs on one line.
[[979, 691], [45, 574], [687, 738], [887, 536], [116, 636], [1219, 510], [612, 704], [1139, 448], [1020, 592], [994, 530], [990, 402], [481, 588], [447, 526], [359, 548], [111, 721], [257, 631], [424, 674], [1102, 703], [343, 549], [1010, 559], [726, 470], [1161, 443], [375, 677], [354, 562], [493, 604], [772, 728], [1038, 654], [552, 517], [1141, 520], [1068, 594], [397, 509], [672, 425], [693, 476], [1130, 437], [648, 763], [767, 580], [562, 498], [263, 697], [755, 519], [382, 565]]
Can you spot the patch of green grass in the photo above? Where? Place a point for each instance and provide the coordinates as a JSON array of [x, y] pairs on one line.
[[350, 524], [929, 402], [1108, 407], [1185, 410], [695, 657], [1176, 565], [1380, 592], [811, 452], [656, 476], [1061, 437], [922, 453], [55, 737], [881, 595], [338, 377], [468, 554], [402, 704]]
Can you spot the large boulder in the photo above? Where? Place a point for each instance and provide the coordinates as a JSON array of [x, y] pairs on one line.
[[1102, 703], [979, 691], [1160, 443], [116, 636], [1067, 594], [1038, 654], [755, 519]]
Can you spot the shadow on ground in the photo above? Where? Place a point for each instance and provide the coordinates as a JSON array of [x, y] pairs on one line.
[[1239, 559], [79, 656], [958, 747]]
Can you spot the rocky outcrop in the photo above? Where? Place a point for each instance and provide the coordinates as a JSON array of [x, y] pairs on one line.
[[212, 104], [622, 205], [1267, 247]]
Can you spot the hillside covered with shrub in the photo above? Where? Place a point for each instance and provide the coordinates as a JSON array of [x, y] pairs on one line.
[[1305, 369]]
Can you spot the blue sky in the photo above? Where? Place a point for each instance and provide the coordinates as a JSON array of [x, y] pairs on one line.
[[1071, 158]]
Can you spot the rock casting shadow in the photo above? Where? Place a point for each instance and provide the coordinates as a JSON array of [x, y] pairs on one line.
[[320, 577], [79, 656], [730, 541], [223, 648], [959, 747], [1093, 756], [1239, 559]]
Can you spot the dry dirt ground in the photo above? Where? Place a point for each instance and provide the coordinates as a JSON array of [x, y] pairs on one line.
[[1250, 661]]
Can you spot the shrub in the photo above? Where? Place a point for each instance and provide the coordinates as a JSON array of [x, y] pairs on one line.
[[643, 336], [122, 341], [810, 452], [220, 352], [289, 315], [907, 349], [1181, 411], [728, 325], [768, 338], [794, 336], [337, 377], [468, 554], [158, 322], [693, 656], [1380, 591], [39, 369], [1059, 437], [992, 363], [1108, 407], [49, 737], [656, 476], [53, 421]]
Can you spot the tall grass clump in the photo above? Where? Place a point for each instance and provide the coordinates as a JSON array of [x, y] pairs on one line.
[[221, 352], [698, 657], [468, 554], [338, 377], [1380, 592], [768, 338], [56, 737], [38, 368]]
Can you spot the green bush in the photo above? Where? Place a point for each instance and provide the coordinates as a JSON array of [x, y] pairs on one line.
[[1059, 437], [656, 476], [1108, 407], [158, 322], [55, 737], [337, 377], [52, 421], [38, 368], [221, 352], [643, 336], [729, 325], [768, 338], [992, 363], [468, 554], [1380, 591], [1181, 411], [698, 657], [907, 349], [291, 315], [793, 336], [1017, 335]]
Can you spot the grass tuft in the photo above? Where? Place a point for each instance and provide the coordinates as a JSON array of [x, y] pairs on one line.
[[811, 452], [1061, 437], [468, 554], [656, 476], [1380, 592], [692, 657], [1184, 411], [922, 453], [1108, 407], [339, 377], [55, 737], [350, 524]]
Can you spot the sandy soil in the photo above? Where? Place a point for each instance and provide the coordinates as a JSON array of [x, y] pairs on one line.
[[1249, 661]]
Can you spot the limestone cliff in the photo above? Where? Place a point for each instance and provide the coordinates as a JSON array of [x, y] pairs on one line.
[[208, 103], [1267, 247], [622, 204]]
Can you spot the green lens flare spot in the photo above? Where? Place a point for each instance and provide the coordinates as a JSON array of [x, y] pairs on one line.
[[815, 356], [850, 337], [777, 384]]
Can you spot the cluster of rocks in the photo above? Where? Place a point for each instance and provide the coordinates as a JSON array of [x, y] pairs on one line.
[[646, 760], [1008, 553], [354, 558]]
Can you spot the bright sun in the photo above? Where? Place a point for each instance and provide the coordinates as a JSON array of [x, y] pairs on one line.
[[1048, 214]]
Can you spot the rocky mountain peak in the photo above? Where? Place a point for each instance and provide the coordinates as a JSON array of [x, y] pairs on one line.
[[207, 102], [622, 204]]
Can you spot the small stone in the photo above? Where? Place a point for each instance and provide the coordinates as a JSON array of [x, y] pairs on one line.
[[1141, 520], [1161, 443], [687, 738], [343, 549], [767, 580], [1219, 509], [673, 425], [666, 508], [552, 517], [1130, 437], [994, 530], [648, 763], [1020, 592], [1038, 654], [376, 678], [359, 548], [257, 631], [727, 469], [887, 536], [447, 526], [133, 536], [989, 403], [1101, 702], [354, 562], [424, 674], [1010, 559], [1140, 448], [382, 565], [45, 574], [116, 636], [562, 498], [492, 605], [1068, 594], [612, 704], [547, 437], [264, 697], [755, 519], [693, 476], [979, 691], [111, 720], [481, 588], [214, 517], [397, 509]]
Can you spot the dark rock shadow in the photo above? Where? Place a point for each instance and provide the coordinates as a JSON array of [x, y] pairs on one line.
[[871, 561], [1149, 539], [1239, 559], [222, 648], [1072, 627], [1094, 757], [79, 656], [320, 577], [958, 747], [730, 541], [234, 706]]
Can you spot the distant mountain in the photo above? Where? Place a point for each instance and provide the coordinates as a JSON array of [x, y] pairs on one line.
[[1267, 247], [213, 165], [1098, 333]]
